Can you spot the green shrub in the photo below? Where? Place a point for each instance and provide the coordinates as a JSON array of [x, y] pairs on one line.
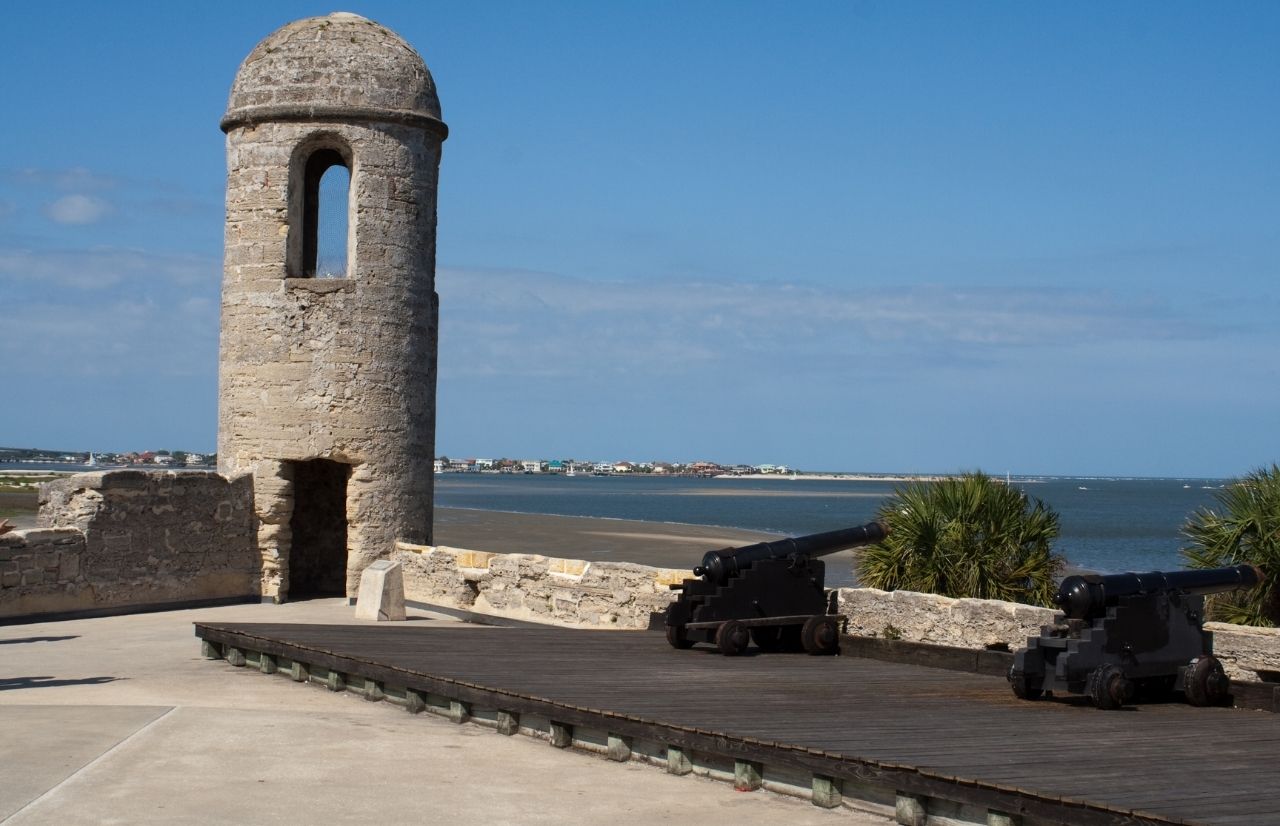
[[1247, 529], [968, 536]]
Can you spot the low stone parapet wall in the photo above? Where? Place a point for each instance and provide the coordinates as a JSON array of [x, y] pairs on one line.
[[581, 594], [38, 561], [116, 539], [568, 592], [964, 623], [1246, 653]]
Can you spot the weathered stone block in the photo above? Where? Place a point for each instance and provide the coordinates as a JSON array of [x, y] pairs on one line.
[[381, 594]]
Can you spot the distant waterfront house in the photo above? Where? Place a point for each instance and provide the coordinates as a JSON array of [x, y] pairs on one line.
[[555, 466], [602, 467], [532, 465], [623, 467], [439, 466]]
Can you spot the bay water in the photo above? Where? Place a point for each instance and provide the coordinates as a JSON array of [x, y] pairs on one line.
[[1107, 524]]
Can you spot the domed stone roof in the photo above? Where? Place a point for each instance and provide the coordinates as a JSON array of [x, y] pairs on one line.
[[340, 67]]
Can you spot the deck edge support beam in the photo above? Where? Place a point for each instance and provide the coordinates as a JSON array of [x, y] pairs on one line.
[[334, 681], [373, 690], [561, 735], [267, 664], [998, 818], [828, 792], [619, 748], [210, 650], [235, 657], [508, 722], [678, 761], [414, 702], [299, 672], [910, 809], [747, 775], [459, 712]]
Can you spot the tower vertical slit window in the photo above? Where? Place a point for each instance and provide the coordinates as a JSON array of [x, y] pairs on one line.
[[326, 215]]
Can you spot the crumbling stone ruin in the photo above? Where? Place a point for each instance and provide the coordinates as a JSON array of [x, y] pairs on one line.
[[131, 538], [327, 384]]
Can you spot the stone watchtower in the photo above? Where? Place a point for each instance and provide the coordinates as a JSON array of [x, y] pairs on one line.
[[327, 376]]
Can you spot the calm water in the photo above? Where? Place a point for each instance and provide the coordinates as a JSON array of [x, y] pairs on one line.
[[1107, 524]]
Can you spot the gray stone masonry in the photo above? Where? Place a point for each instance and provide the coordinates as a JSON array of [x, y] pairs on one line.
[[340, 369], [537, 588], [118, 538], [623, 595], [1246, 653]]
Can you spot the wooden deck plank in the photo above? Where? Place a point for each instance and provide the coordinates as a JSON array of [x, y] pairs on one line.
[[1179, 762]]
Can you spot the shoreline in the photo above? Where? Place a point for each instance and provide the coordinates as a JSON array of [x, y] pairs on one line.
[[831, 477]]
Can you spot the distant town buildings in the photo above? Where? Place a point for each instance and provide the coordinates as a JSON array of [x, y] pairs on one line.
[[574, 467], [107, 459], [443, 464]]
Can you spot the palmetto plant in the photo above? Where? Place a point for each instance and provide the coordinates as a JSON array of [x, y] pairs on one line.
[[1244, 527], [967, 536]]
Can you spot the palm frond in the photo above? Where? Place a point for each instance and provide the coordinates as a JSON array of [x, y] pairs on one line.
[[967, 536]]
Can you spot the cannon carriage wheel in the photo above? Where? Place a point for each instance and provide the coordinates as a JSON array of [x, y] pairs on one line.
[[820, 635], [732, 638], [1025, 686], [1107, 687], [677, 637], [1206, 683]]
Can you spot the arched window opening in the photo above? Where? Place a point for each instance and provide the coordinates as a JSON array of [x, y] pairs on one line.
[[328, 195]]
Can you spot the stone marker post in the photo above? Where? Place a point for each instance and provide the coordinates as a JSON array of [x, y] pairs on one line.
[[381, 592]]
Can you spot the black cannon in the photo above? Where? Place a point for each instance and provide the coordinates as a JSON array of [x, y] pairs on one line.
[[770, 593], [1127, 635]]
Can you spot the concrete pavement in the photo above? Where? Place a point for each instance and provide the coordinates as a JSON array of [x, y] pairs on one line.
[[120, 720]]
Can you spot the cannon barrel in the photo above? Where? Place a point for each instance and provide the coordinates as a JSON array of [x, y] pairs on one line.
[[1085, 596], [720, 566]]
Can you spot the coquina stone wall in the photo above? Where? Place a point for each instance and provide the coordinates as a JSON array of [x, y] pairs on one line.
[[1246, 653], [340, 369], [567, 592], [575, 593], [116, 539]]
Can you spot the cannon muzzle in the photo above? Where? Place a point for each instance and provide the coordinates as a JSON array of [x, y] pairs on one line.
[[1086, 596], [720, 566]]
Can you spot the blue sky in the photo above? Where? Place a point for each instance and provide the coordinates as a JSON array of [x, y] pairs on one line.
[[1037, 238]]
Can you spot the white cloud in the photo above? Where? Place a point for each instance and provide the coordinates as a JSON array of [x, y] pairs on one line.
[[114, 312], [100, 268], [70, 179], [142, 340], [77, 209], [526, 323]]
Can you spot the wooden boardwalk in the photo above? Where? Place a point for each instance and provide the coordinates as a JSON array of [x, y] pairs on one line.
[[919, 732]]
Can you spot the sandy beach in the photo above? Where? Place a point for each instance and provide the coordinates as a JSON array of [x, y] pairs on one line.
[[661, 544]]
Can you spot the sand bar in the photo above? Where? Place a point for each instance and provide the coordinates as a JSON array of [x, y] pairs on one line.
[[661, 544]]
